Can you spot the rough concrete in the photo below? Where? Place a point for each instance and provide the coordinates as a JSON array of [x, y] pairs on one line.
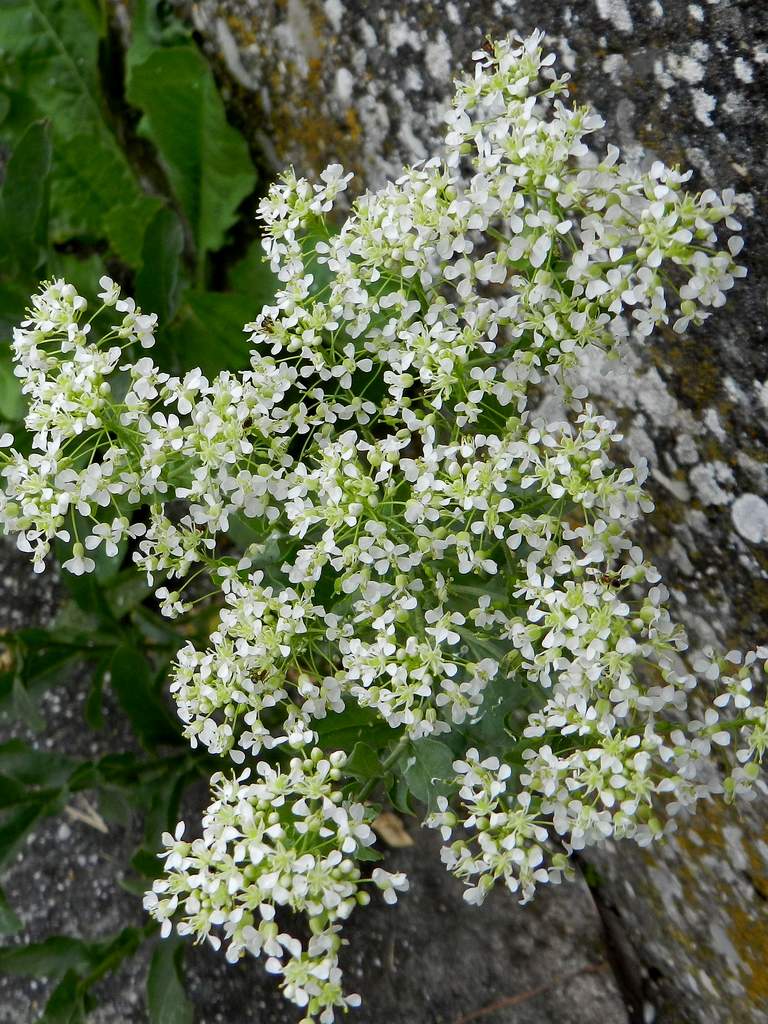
[[430, 960], [365, 83]]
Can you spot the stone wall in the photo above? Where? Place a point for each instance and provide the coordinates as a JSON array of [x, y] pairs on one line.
[[365, 83]]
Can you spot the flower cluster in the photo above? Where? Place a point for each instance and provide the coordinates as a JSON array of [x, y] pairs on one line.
[[283, 840], [424, 547]]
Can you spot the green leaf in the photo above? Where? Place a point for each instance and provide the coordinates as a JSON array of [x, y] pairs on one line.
[[24, 212], [52, 50], [429, 769], [9, 920], [363, 762], [93, 709], [157, 282], [131, 679], [208, 332], [66, 1004], [252, 276], [206, 160], [11, 400], [32, 767], [343, 730], [126, 592], [12, 792], [24, 707], [50, 958], [15, 827], [153, 24], [167, 1001]]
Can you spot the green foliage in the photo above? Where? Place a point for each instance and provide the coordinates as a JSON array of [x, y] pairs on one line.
[[166, 999], [207, 162], [137, 174]]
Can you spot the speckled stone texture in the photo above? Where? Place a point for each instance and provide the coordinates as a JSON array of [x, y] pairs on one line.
[[366, 83]]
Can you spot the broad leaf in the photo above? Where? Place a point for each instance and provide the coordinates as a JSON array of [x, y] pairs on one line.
[[428, 770], [167, 1001], [206, 160], [354, 725], [54, 48], [50, 958], [252, 276], [31, 767], [208, 332], [66, 1004], [131, 679], [24, 212], [158, 280]]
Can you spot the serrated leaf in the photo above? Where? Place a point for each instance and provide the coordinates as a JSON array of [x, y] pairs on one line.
[[167, 1001], [207, 161], [24, 211], [53, 46]]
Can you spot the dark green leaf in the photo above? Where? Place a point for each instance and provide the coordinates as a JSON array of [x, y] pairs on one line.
[[24, 213], [131, 680], [207, 161], [54, 48], [24, 707], [126, 592], [14, 827], [208, 332], [399, 793], [66, 1004], [157, 282], [11, 401], [252, 276], [12, 792], [429, 769], [167, 1001], [93, 709], [32, 767], [353, 725], [50, 958], [363, 762], [9, 920], [153, 24]]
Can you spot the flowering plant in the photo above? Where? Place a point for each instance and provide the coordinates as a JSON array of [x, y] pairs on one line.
[[423, 588]]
